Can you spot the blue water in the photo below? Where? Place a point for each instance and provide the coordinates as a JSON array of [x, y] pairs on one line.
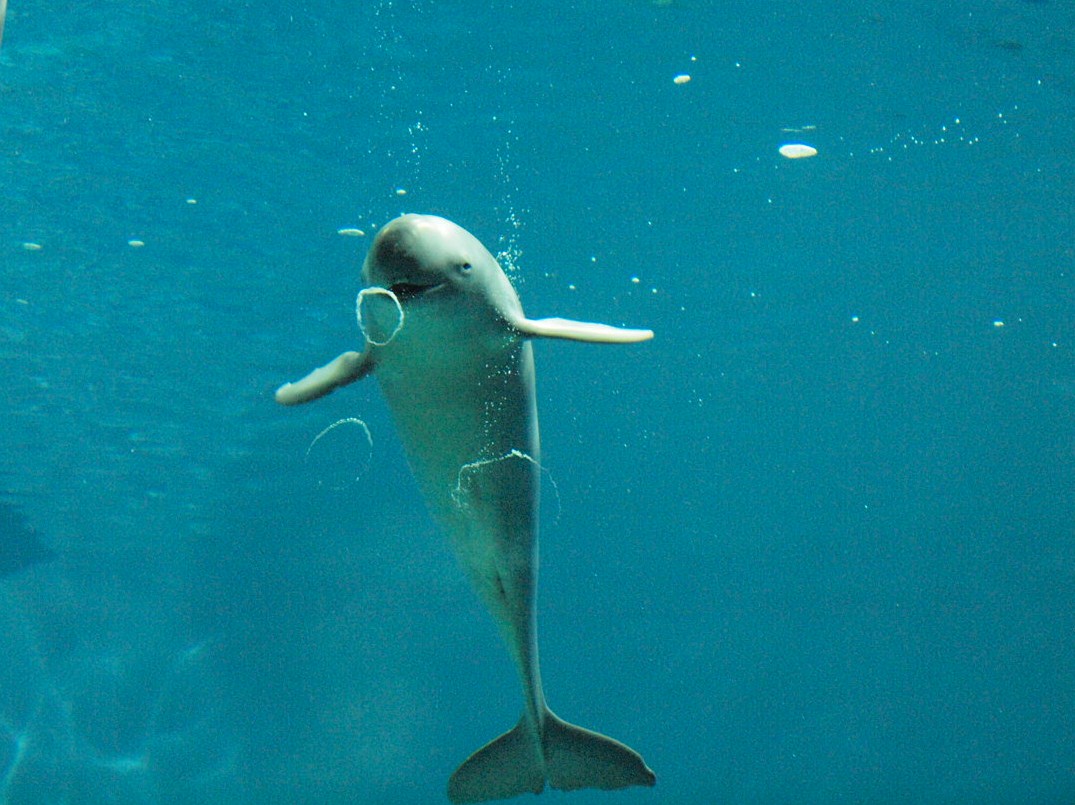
[[815, 543]]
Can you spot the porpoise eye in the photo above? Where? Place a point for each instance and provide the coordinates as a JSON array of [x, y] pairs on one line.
[[465, 268]]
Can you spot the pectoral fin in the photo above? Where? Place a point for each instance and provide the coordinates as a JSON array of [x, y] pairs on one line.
[[581, 331], [346, 369]]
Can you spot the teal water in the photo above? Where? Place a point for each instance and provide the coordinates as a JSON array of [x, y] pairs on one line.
[[813, 544]]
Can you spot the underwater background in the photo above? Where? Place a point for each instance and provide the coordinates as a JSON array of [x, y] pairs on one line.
[[815, 543]]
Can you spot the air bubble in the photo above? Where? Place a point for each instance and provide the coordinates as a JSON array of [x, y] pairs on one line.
[[369, 322]]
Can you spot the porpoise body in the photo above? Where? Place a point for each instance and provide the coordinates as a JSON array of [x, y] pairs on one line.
[[448, 341]]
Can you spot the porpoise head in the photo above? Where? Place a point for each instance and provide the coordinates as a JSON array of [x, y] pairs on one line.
[[416, 256]]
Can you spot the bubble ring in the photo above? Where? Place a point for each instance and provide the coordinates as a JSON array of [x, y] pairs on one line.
[[376, 290]]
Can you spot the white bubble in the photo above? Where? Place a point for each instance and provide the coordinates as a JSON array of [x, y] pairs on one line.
[[797, 151]]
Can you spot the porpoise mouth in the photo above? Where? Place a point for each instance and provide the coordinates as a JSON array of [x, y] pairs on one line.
[[405, 291]]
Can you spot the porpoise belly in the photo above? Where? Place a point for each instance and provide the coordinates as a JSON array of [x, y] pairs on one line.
[[469, 427]]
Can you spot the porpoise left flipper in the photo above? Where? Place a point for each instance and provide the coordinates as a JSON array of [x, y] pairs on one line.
[[342, 371], [587, 331]]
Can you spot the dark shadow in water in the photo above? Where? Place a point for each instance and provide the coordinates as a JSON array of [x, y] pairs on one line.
[[20, 545]]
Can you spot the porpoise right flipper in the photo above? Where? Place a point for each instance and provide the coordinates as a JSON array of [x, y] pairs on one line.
[[590, 332], [346, 369]]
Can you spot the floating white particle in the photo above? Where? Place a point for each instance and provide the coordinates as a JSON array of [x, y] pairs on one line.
[[854, 319], [797, 151], [350, 232], [682, 78], [31, 247], [192, 201], [998, 323], [635, 280], [136, 244]]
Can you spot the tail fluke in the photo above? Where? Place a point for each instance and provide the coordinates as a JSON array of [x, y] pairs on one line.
[[578, 758], [569, 757], [505, 767]]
